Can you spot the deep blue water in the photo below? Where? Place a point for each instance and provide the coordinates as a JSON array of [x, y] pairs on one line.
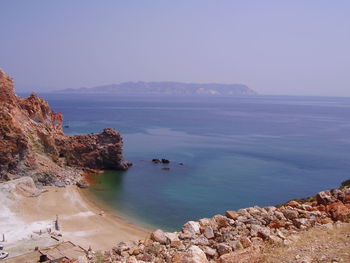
[[237, 151]]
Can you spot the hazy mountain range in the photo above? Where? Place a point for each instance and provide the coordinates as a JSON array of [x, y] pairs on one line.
[[166, 88]]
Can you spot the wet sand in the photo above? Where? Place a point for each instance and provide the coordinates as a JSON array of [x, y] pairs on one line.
[[79, 219]]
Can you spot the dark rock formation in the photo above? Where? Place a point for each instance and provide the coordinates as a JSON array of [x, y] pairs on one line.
[[32, 142]]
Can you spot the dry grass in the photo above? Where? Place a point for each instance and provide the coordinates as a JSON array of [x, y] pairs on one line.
[[319, 244]]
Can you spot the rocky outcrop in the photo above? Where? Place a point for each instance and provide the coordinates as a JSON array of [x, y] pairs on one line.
[[239, 236], [32, 142]]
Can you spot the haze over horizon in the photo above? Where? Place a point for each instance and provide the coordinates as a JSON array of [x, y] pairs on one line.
[[274, 47]]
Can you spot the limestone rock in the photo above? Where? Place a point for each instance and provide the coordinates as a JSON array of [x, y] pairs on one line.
[[209, 251], [245, 241], [221, 221], [121, 247], [171, 236], [208, 232], [159, 236], [191, 227], [290, 214], [260, 231], [232, 214], [223, 248], [193, 255], [324, 198]]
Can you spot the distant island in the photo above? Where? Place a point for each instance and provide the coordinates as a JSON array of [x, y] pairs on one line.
[[166, 88]]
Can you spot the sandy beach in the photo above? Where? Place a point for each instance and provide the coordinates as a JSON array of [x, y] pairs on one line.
[[26, 221]]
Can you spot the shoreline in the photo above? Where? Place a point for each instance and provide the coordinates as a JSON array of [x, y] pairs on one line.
[[29, 221], [89, 178], [98, 206]]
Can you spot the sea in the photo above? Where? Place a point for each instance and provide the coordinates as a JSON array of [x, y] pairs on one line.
[[225, 153]]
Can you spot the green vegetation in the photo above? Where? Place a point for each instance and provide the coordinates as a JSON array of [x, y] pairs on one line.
[[99, 257], [345, 183]]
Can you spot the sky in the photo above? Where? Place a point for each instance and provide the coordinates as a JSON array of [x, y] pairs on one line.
[[282, 47]]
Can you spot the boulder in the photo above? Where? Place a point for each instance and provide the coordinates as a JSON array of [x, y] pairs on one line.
[[82, 184], [200, 241], [260, 231], [290, 213], [193, 255], [277, 223], [301, 222], [171, 236], [208, 232], [223, 248], [159, 236], [244, 212], [245, 241], [191, 227], [236, 245], [339, 211], [221, 221], [324, 198], [279, 215], [121, 247], [210, 252], [293, 204], [232, 214], [175, 244]]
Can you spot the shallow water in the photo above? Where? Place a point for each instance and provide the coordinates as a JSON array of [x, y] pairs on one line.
[[237, 151]]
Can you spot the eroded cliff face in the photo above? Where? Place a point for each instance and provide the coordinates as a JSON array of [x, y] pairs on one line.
[[32, 142]]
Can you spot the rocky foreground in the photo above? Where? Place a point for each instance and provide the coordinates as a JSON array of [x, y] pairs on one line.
[[239, 236], [32, 142]]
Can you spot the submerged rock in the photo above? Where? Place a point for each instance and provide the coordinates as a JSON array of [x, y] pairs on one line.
[[82, 184]]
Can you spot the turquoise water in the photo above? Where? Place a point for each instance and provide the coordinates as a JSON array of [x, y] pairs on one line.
[[236, 151]]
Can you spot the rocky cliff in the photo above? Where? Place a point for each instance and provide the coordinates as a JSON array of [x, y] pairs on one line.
[[32, 142]]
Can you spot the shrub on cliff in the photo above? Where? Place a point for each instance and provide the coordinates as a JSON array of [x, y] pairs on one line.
[[345, 183]]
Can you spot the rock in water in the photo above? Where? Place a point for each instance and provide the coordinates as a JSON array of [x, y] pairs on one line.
[[82, 184], [33, 143]]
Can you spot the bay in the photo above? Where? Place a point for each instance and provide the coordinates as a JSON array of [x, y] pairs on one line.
[[236, 151]]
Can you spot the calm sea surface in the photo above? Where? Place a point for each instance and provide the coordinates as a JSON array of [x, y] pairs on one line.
[[236, 151]]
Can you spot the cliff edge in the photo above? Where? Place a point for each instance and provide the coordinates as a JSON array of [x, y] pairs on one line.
[[32, 142]]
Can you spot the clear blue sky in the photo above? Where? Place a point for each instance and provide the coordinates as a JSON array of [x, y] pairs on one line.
[[275, 47]]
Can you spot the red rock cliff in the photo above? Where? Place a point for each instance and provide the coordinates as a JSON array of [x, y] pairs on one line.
[[32, 142]]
